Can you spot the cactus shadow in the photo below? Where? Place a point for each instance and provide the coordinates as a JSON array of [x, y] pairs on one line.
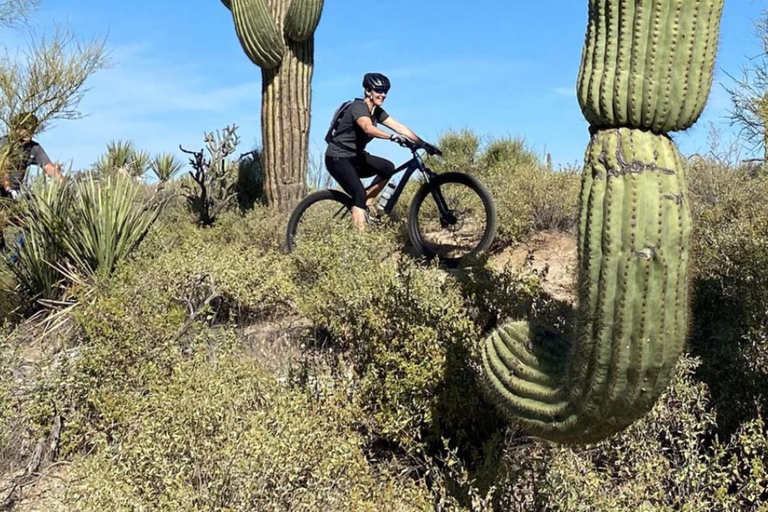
[[734, 365]]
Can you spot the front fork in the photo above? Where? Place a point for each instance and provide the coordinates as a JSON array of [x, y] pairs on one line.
[[447, 218]]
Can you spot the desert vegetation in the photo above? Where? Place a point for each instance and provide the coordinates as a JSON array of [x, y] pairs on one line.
[[203, 368]]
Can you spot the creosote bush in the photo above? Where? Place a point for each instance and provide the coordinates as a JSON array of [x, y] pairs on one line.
[[222, 435]]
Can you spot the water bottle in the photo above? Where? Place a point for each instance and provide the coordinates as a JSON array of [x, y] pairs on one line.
[[386, 194]]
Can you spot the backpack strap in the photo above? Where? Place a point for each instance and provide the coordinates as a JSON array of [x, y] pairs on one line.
[[336, 120]]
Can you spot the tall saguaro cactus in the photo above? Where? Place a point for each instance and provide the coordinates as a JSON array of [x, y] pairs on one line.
[[278, 36], [646, 70]]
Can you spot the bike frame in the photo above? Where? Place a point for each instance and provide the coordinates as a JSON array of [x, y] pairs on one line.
[[411, 166]]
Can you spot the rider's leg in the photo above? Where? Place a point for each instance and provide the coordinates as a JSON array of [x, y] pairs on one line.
[[382, 168], [345, 172]]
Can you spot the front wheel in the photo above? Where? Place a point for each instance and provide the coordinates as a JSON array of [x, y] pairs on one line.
[[452, 217]]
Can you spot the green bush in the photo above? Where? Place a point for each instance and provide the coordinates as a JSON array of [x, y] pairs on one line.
[[408, 338], [224, 436], [671, 460]]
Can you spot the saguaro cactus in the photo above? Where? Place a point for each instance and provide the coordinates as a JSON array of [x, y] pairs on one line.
[[646, 70], [278, 36]]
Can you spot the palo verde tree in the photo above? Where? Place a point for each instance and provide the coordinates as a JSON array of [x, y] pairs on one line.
[[749, 94], [46, 79], [646, 71], [278, 36]]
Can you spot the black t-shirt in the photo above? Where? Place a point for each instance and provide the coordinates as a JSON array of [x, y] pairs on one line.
[[22, 156], [350, 140]]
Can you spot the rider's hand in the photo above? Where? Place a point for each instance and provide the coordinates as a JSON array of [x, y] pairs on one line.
[[399, 139], [14, 193], [429, 148]]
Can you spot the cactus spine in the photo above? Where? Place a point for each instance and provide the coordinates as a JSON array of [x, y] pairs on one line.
[[646, 69], [278, 36]]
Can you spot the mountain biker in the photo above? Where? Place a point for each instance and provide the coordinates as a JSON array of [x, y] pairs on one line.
[[356, 125], [18, 152]]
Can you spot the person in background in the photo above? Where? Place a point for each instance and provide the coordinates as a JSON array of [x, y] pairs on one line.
[[18, 152]]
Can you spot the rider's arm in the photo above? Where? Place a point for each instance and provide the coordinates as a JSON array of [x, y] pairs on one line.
[[401, 129], [365, 123], [6, 181], [53, 171]]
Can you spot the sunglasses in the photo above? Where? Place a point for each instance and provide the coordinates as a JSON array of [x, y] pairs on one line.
[[380, 90]]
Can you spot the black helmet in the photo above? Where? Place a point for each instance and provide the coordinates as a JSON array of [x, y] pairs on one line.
[[375, 81]]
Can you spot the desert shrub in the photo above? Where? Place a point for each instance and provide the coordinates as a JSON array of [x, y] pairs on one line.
[[531, 198], [408, 337], [671, 460], [250, 179], [508, 151], [730, 255], [460, 150], [120, 347], [224, 436], [242, 283]]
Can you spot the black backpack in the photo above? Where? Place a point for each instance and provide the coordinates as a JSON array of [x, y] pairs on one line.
[[336, 119]]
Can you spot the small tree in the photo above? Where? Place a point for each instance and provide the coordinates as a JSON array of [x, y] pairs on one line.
[[46, 79], [749, 94]]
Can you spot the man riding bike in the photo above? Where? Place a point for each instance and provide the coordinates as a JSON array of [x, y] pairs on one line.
[[354, 126]]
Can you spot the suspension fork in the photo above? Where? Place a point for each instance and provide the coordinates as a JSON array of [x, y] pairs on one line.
[[446, 216]]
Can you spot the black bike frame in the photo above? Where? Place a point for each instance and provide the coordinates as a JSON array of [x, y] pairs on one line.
[[411, 166]]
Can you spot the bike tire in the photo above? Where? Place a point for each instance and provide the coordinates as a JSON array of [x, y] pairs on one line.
[[424, 195], [328, 196]]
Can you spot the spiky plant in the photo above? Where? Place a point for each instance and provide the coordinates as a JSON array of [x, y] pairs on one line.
[[123, 157], [165, 165], [646, 70], [83, 228], [278, 36]]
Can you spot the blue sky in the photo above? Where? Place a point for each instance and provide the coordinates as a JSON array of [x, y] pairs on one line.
[[498, 67]]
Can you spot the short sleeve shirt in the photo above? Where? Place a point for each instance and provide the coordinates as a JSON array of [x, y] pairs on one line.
[[27, 154], [350, 140]]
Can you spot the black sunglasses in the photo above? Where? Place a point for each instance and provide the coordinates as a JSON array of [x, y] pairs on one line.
[[381, 90]]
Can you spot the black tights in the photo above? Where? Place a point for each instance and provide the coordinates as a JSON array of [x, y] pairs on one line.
[[348, 173]]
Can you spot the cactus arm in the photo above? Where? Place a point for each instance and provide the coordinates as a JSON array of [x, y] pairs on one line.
[[302, 18], [257, 32], [646, 69]]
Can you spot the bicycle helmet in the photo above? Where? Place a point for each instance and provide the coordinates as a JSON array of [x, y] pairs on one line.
[[378, 81]]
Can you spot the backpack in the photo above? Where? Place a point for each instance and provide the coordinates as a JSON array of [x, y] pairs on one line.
[[336, 119]]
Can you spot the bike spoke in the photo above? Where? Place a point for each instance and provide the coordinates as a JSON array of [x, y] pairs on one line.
[[454, 233]]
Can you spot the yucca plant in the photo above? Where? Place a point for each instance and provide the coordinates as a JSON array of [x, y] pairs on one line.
[[107, 221], [123, 157], [78, 231], [42, 223], [164, 166]]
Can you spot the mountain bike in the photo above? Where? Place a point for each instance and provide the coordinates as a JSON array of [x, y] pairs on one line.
[[452, 216]]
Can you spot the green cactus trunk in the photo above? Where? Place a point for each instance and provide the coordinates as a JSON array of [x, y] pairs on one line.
[[286, 99], [278, 36], [646, 69], [633, 262]]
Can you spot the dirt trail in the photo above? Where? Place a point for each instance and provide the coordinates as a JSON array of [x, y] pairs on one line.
[[553, 253]]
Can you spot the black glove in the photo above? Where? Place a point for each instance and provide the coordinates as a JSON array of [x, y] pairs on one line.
[[399, 139]]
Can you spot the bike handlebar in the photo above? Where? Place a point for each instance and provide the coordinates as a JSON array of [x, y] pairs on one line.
[[415, 146]]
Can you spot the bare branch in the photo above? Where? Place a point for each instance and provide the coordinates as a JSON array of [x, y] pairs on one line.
[[16, 11]]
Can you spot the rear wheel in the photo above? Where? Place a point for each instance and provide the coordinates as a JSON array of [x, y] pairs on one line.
[[452, 217], [317, 215]]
